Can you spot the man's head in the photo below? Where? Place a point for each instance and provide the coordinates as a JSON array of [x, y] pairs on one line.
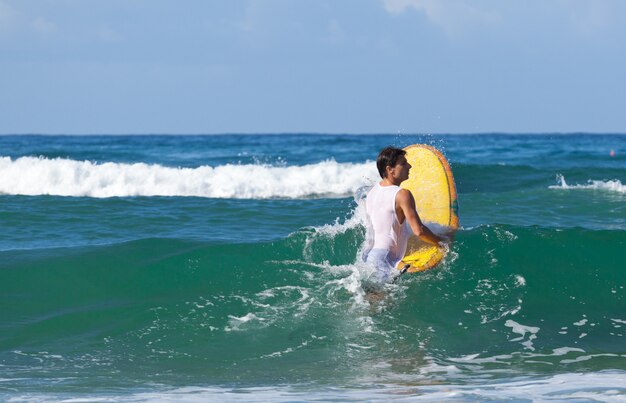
[[388, 157]]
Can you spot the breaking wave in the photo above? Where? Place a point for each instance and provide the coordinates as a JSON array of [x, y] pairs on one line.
[[35, 176], [610, 185]]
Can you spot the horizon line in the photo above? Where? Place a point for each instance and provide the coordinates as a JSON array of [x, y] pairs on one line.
[[503, 133]]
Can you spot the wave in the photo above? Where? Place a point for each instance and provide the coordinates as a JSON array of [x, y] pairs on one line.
[[506, 298], [34, 176], [486, 265], [610, 185]]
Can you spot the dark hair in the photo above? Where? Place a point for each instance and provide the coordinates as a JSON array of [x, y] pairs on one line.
[[388, 157]]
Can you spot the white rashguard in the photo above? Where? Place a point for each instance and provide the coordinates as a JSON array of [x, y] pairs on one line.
[[387, 238]]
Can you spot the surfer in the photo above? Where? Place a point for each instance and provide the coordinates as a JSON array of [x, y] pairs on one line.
[[389, 209]]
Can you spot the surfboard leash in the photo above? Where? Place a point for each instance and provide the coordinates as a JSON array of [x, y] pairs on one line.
[[404, 270]]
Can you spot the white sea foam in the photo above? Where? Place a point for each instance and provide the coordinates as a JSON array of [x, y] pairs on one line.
[[64, 177], [522, 330], [237, 322], [610, 185], [593, 386], [619, 321], [477, 359]]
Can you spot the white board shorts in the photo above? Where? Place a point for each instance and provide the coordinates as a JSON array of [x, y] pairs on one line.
[[379, 258]]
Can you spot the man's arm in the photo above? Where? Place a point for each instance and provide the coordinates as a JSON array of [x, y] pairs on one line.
[[406, 203]]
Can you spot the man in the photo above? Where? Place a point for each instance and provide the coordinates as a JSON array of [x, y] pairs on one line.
[[389, 210]]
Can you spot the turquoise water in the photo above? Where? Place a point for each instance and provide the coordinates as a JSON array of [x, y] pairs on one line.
[[225, 267]]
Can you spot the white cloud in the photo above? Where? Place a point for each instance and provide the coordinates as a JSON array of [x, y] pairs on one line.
[[336, 33], [108, 35], [44, 26], [5, 11], [589, 17], [6, 16], [253, 25], [454, 16]]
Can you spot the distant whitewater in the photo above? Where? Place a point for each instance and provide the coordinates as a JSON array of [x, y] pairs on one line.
[[610, 185], [34, 176]]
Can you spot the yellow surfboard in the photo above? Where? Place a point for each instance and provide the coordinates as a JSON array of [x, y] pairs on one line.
[[432, 185]]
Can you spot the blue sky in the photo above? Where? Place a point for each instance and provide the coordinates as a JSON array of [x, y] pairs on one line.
[[341, 66]]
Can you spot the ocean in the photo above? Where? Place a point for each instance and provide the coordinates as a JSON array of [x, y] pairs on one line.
[[226, 268]]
